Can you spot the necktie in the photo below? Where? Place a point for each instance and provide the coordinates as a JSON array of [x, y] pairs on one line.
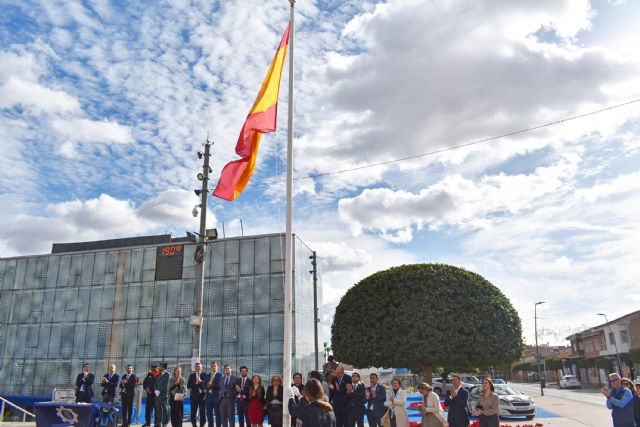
[[226, 381], [243, 380]]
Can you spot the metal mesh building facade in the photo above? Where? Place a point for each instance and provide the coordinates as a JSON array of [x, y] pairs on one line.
[[128, 301]]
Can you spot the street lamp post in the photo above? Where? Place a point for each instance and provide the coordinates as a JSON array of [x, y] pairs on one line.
[[615, 343], [535, 319], [197, 317]]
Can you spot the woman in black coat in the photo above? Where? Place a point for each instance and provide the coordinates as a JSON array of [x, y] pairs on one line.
[[311, 410], [274, 399]]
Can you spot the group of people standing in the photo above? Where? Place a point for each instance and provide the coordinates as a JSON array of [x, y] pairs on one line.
[[334, 399], [216, 397]]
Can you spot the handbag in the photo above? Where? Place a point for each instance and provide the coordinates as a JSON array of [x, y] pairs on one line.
[[179, 397], [385, 421]]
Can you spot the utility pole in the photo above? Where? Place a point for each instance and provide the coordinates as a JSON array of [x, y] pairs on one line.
[[200, 254], [314, 271], [535, 319], [615, 342]]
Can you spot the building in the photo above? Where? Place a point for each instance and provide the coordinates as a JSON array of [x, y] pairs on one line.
[[546, 351], [608, 340], [128, 301]]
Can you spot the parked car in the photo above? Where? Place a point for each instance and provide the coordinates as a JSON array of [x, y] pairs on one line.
[[499, 381], [569, 381], [470, 379], [512, 401], [442, 389]]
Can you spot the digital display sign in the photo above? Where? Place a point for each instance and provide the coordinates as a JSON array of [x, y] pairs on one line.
[[169, 262]]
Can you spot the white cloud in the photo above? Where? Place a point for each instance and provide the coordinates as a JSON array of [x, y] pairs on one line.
[[99, 218], [338, 256], [104, 213], [173, 207], [88, 131], [454, 200], [36, 97]]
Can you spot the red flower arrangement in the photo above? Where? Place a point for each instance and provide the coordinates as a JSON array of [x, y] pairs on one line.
[[477, 424]]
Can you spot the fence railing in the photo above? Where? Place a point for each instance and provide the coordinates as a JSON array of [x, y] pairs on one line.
[[4, 402]]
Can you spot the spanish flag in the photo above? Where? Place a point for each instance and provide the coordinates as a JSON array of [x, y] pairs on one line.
[[261, 119]]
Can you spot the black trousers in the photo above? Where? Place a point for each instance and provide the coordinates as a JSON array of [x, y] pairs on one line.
[[83, 396], [177, 412], [355, 416], [242, 412], [197, 409], [127, 410], [489, 421], [148, 410], [373, 419], [341, 416]]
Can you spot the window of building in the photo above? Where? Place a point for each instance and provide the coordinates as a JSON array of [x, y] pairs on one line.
[[612, 338], [624, 336]]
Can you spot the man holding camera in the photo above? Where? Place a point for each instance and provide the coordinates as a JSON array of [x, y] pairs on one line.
[[620, 402]]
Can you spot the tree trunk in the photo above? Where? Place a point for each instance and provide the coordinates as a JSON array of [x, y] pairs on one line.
[[427, 374]]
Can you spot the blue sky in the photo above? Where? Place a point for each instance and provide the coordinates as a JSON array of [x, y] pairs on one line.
[[104, 104]]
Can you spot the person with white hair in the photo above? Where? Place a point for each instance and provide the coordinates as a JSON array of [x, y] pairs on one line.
[[620, 402]]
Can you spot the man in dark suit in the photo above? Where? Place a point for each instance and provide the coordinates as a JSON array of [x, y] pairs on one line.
[[242, 401], [162, 396], [339, 396], [212, 400], [84, 385], [355, 402], [228, 393], [197, 384], [376, 397], [110, 381], [149, 385], [457, 401], [127, 392]]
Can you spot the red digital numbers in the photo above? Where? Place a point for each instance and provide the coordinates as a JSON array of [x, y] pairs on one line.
[[171, 250]]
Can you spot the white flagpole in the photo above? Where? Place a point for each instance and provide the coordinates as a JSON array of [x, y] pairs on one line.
[[288, 257]]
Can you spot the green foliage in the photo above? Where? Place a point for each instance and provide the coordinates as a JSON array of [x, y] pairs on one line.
[[595, 362], [553, 364], [634, 354], [525, 367], [425, 315]]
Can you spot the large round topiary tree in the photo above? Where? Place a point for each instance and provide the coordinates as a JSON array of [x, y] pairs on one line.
[[425, 315]]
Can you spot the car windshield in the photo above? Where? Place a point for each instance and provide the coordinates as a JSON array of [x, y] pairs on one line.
[[505, 390], [569, 377]]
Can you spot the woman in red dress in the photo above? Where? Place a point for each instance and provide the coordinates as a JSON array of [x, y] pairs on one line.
[[255, 410]]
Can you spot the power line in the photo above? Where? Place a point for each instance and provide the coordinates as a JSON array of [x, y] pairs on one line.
[[468, 144]]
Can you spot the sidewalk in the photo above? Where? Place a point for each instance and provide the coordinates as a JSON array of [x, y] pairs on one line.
[[572, 413]]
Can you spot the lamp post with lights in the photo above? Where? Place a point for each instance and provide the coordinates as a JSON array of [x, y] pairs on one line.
[[535, 320], [201, 248]]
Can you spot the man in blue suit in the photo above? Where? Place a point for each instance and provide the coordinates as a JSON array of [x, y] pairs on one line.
[[212, 400], [376, 397], [110, 381], [457, 401], [84, 385]]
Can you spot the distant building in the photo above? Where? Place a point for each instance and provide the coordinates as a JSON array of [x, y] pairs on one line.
[[128, 301], [602, 340], [546, 352]]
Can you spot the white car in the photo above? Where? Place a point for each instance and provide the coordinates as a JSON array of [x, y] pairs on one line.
[[512, 402], [569, 381]]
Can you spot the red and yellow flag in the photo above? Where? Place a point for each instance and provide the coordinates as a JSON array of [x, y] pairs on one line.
[[261, 119]]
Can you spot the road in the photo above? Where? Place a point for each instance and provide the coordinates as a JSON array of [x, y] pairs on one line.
[[585, 407], [588, 396]]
